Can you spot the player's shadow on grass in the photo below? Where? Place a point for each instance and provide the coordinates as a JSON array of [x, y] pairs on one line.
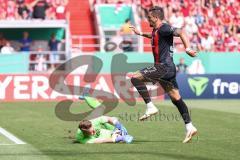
[[157, 154], [75, 154], [139, 141]]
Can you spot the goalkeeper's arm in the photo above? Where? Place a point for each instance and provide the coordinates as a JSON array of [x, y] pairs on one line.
[[102, 140], [111, 120], [114, 139], [115, 122]]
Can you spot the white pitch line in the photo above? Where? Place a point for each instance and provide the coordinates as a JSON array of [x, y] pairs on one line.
[[11, 136], [8, 144]]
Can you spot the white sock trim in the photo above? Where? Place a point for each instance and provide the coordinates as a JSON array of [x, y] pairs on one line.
[[150, 105], [189, 126]]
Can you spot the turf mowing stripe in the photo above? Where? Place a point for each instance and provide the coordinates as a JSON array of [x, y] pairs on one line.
[[7, 144], [5, 140], [11, 136]]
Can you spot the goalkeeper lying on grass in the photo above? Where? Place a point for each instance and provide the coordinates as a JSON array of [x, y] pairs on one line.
[[103, 129]]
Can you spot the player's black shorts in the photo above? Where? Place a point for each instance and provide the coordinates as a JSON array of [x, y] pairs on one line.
[[161, 73]]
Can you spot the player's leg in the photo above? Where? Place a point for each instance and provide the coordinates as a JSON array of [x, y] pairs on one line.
[[138, 80], [179, 103], [183, 109], [139, 83], [91, 101]]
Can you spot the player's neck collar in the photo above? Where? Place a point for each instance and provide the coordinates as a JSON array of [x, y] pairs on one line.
[[162, 23], [157, 27]]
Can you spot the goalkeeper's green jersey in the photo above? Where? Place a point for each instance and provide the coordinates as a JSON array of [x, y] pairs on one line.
[[102, 127]]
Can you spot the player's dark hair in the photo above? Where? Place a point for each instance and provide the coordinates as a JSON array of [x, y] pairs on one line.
[[84, 125], [157, 12]]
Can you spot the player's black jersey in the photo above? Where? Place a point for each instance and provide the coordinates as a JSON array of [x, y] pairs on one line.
[[162, 44]]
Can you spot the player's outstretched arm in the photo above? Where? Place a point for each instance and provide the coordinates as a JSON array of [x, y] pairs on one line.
[[103, 140], [137, 32], [116, 138], [180, 33], [115, 122]]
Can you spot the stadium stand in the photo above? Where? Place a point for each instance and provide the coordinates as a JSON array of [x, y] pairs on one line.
[[212, 25], [111, 20], [31, 17], [82, 26], [95, 25]]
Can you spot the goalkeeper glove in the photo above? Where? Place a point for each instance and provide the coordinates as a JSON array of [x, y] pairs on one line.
[[121, 128], [127, 139]]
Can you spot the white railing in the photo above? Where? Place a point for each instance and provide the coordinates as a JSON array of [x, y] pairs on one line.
[[33, 23], [82, 43], [45, 60], [102, 32]]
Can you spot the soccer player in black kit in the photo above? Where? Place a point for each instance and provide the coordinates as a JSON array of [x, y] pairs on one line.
[[164, 70]]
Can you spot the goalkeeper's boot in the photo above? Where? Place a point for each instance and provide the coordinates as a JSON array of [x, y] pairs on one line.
[[85, 93], [91, 101], [151, 110], [192, 131]]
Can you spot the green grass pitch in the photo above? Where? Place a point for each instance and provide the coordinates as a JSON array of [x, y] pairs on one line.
[[47, 137]]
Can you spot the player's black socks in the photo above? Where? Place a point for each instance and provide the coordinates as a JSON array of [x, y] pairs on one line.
[[182, 108], [142, 89]]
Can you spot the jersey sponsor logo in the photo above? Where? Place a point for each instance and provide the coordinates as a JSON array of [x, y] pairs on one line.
[[198, 84]]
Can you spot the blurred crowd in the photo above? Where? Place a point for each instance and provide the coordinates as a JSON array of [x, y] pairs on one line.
[[26, 44], [212, 25], [43, 55], [33, 9]]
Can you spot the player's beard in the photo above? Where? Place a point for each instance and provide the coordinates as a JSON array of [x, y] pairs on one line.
[[151, 24]]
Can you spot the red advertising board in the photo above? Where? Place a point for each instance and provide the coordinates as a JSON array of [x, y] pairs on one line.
[[36, 87]]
